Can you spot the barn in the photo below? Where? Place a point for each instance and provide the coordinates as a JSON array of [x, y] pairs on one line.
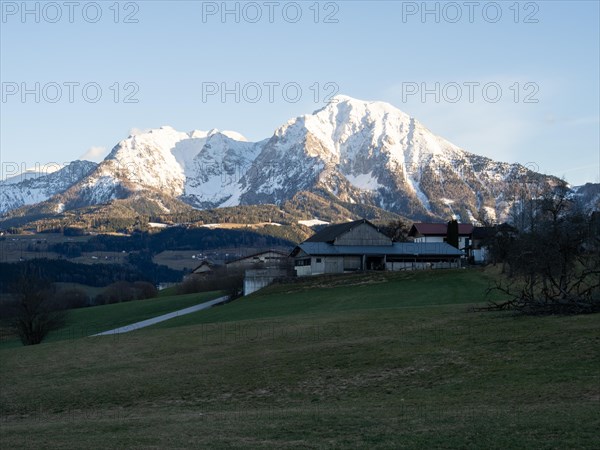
[[359, 245]]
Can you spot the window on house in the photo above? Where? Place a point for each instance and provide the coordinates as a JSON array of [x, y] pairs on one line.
[[302, 262], [318, 260]]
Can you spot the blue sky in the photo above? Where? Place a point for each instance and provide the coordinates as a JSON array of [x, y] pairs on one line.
[[532, 73]]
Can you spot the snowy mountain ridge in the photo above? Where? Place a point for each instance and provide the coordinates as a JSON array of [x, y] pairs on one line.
[[350, 150]]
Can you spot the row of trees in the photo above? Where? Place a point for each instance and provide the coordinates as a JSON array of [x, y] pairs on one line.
[[57, 270], [176, 238]]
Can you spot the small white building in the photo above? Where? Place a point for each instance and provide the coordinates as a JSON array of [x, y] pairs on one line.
[[256, 279], [261, 269]]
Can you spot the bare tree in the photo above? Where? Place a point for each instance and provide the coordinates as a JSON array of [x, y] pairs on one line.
[[397, 230], [36, 311], [554, 260]]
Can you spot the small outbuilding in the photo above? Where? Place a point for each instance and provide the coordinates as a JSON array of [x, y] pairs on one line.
[[204, 268], [267, 258]]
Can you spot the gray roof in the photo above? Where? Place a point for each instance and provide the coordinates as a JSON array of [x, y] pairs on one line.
[[283, 255], [329, 233], [396, 249]]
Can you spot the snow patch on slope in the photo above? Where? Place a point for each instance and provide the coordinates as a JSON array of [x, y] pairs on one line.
[[312, 222], [364, 181]]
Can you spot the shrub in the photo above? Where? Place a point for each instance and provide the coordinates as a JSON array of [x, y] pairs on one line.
[[35, 312], [70, 298], [230, 281], [125, 291]]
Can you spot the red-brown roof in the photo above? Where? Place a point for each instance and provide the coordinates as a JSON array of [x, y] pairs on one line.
[[439, 229]]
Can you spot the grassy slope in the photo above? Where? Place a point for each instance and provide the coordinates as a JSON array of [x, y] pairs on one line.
[[396, 365], [83, 322], [383, 291], [168, 292]]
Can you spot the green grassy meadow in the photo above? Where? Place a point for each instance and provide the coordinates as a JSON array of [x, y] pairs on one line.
[[83, 322], [394, 361]]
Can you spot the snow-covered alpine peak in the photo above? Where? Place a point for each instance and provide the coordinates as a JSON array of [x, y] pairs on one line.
[[348, 129], [355, 109], [35, 187], [28, 174], [356, 151], [197, 134], [167, 160], [234, 135]]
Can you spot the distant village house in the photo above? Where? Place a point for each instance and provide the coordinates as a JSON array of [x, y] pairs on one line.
[[438, 232]]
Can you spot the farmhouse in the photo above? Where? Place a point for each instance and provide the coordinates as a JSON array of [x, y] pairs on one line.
[[359, 245], [438, 232]]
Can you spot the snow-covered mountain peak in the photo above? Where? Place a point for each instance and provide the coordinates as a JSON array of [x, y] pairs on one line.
[[197, 134], [359, 152], [29, 173], [41, 185], [234, 135], [349, 107]]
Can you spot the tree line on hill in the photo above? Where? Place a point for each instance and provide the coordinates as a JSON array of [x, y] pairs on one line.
[[139, 268], [56, 270], [175, 238]]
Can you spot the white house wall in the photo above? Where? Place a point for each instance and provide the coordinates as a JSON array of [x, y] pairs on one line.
[[396, 266], [257, 279], [462, 240], [480, 255], [430, 239], [303, 271], [327, 264]]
